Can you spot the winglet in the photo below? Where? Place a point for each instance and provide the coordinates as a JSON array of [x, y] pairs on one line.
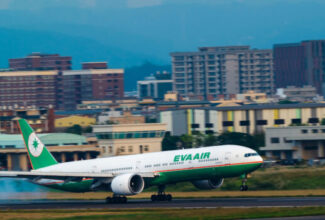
[[38, 154]]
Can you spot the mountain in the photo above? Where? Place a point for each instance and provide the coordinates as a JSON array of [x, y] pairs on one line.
[[136, 73], [19, 43], [151, 29]]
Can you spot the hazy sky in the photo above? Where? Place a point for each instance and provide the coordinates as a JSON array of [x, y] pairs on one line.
[[129, 31]]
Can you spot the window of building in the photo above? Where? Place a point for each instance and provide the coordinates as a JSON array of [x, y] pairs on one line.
[[244, 123], [110, 149], [227, 123], [279, 121], [261, 122], [275, 140], [195, 125], [285, 140], [146, 148], [122, 149], [208, 125], [304, 131], [313, 120], [314, 130], [130, 149], [209, 132], [296, 121]]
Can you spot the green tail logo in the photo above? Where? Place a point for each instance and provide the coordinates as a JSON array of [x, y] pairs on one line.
[[38, 154]]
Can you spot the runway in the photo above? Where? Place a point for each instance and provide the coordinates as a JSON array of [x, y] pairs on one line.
[[176, 203]]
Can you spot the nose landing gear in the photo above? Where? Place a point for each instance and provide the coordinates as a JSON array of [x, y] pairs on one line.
[[244, 186]]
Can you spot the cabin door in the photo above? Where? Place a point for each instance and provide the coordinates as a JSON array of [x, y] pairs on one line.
[[138, 166], [228, 158]]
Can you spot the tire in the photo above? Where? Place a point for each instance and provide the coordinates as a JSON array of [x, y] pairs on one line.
[[169, 197], [153, 198], [108, 200], [242, 188], [246, 187]]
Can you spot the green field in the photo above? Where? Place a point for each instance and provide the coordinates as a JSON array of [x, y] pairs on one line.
[[277, 178], [168, 214]]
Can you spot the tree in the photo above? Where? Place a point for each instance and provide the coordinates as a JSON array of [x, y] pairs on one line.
[[187, 141], [322, 121], [75, 129], [237, 138], [170, 142], [88, 129], [210, 140]]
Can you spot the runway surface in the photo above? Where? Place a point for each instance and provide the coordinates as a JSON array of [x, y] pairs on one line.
[[176, 203]]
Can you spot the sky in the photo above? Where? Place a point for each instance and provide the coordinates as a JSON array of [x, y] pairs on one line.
[[128, 32]]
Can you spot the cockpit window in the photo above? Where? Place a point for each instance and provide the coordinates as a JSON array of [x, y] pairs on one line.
[[251, 154]]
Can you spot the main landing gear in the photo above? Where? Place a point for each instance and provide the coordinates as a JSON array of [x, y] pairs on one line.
[[116, 199], [244, 186], [161, 195]]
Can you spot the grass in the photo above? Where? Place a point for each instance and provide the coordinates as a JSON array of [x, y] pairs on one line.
[[168, 214]]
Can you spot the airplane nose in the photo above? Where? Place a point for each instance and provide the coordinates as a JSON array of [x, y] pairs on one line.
[[260, 159]]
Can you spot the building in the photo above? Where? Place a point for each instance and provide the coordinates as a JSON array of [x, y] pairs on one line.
[[127, 118], [252, 97], [301, 94], [75, 86], [222, 70], [299, 64], [153, 87], [295, 142], [64, 147], [124, 139], [94, 65], [189, 121], [126, 103], [41, 120], [251, 119], [28, 89], [39, 61], [61, 89], [64, 122]]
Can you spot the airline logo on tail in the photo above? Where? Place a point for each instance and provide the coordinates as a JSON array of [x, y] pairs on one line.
[[35, 145]]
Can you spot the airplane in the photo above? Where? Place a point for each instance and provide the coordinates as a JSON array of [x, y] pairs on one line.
[[205, 167]]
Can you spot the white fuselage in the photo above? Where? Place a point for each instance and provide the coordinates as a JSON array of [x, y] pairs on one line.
[[161, 161]]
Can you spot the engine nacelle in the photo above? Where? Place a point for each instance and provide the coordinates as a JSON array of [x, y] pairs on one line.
[[127, 184], [208, 184]]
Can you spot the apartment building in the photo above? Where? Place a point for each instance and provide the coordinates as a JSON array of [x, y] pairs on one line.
[[124, 139], [222, 70], [251, 119], [39, 61], [61, 89], [299, 64]]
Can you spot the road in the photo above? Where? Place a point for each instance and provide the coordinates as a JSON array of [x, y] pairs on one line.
[[176, 203]]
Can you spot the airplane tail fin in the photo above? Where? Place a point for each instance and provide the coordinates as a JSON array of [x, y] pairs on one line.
[[38, 155]]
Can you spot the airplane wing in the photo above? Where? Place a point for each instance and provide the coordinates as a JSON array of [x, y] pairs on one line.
[[66, 175]]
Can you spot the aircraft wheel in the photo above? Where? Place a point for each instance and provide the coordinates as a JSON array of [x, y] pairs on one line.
[[153, 198], [108, 200]]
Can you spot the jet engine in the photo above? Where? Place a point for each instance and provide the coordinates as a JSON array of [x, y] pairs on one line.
[[127, 184], [208, 184]]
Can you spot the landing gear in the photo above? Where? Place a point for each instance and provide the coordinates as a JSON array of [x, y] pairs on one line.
[[244, 186], [162, 196], [116, 199]]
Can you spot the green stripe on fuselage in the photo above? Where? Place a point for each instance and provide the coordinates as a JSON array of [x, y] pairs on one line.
[[173, 176]]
